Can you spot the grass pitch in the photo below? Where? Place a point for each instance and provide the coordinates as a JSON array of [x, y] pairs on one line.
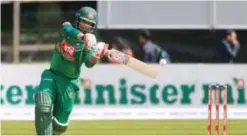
[[129, 127]]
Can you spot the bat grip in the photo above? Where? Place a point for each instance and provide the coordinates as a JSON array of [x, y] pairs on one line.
[[108, 53]]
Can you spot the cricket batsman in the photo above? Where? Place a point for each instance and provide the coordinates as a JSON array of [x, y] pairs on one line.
[[55, 95]]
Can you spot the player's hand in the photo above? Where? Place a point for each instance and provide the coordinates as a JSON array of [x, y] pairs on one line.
[[90, 41], [98, 52], [100, 49]]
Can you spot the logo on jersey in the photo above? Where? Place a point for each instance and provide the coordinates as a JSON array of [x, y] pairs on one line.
[[66, 50]]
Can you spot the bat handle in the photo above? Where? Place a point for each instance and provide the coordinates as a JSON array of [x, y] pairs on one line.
[[105, 51], [109, 56]]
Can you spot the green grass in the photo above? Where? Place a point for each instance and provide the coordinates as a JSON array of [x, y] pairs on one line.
[[129, 127]]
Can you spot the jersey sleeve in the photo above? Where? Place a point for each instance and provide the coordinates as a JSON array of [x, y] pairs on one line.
[[89, 54], [69, 30]]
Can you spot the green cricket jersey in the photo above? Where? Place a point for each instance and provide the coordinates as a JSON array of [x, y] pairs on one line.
[[69, 53]]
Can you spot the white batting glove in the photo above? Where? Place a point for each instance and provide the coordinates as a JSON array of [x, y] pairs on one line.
[[90, 41], [100, 49]]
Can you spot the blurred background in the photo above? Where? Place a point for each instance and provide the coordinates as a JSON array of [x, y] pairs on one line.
[[188, 32], [195, 38]]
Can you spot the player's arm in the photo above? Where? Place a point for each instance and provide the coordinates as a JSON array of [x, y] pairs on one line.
[[71, 31]]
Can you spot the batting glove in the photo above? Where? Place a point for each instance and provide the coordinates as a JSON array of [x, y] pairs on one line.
[[100, 49], [90, 41]]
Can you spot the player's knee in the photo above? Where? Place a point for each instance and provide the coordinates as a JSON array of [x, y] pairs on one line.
[[43, 102], [59, 128]]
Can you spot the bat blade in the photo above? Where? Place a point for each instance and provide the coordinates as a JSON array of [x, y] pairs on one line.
[[133, 63], [142, 67]]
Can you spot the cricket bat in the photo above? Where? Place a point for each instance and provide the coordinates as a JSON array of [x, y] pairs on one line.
[[133, 63]]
